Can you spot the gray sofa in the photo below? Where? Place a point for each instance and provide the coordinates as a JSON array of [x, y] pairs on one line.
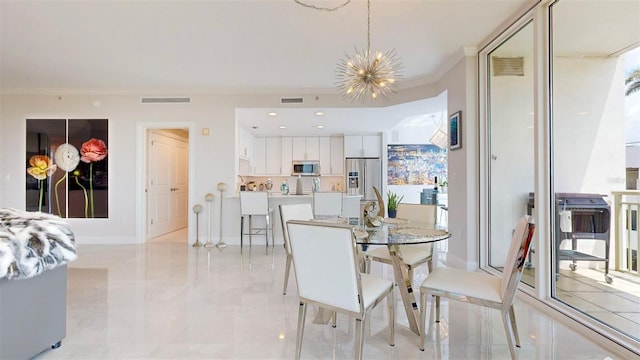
[[33, 314]]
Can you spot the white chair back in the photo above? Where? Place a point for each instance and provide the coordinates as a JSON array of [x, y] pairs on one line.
[[423, 213], [254, 203], [324, 258], [327, 203], [516, 257], [293, 212]]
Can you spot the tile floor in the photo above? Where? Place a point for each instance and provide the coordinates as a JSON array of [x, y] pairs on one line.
[[167, 300], [616, 304]]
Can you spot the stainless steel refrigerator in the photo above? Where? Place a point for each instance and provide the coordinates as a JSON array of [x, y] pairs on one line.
[[362, 175]]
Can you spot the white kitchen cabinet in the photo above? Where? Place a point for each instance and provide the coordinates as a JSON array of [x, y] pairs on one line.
[[273, 156], [305, 148], [259, 156], [298, 148], [287, 155], [371, 146], [313, 148], [362, 146], [337, 155], [245, 144], [325, 155]]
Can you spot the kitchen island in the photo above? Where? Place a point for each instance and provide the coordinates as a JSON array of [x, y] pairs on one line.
[[231, 217]]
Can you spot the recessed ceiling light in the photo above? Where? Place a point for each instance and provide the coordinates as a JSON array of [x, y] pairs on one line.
[[320, 126], [273, 113], [282, 127], [319, 113]]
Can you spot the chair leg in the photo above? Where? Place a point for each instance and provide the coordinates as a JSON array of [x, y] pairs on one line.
[[241, 231], [423, 318], [437, 309], [508, 332], [410, 275], [392, 318], [250, 231], [514, 327], [266, 232], [286, 274], [430, 264], [359, 344], [302, 313], [366, 265], [334, 324]]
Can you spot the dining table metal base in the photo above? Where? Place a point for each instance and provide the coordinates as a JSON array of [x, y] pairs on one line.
[[406, 289]]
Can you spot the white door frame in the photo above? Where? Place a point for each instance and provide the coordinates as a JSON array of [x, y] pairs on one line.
[[141, 174]]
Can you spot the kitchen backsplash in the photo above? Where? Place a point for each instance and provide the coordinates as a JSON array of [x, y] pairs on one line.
[[327, 183]]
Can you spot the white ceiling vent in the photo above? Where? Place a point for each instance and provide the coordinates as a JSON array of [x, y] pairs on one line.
[[297, 100], [166, 100], [508, 66]]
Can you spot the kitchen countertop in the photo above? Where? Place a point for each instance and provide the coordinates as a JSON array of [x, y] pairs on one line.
[[292, 195]]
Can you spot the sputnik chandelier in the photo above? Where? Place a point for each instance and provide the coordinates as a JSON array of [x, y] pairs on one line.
[[366, 75]]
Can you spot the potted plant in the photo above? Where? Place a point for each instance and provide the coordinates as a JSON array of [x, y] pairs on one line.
[[392, 203]]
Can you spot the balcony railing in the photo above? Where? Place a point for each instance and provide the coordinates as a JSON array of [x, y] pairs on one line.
[[626, 206]]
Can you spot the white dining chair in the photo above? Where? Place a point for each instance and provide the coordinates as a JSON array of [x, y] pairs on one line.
[[327, 203], [255, 203], [291, 212], [327, 275], [482, 288], [412, 255]]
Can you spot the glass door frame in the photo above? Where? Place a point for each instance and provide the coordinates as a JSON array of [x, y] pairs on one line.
[[530, 16]]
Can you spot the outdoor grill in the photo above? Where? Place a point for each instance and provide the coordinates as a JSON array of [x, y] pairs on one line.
[[580, 217]]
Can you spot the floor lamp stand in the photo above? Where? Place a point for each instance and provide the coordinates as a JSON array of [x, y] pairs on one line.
[[197, 208], [209, 199], [221, 187]]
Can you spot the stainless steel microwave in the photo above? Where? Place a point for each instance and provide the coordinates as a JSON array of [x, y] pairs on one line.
[[305, 168]]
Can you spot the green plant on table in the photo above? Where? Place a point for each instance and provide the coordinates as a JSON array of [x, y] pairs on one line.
[[393, 200]]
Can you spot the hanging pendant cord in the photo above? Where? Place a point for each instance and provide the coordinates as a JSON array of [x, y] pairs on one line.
[[368, 27]]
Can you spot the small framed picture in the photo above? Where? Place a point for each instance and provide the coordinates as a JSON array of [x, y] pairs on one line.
[[455, 131]]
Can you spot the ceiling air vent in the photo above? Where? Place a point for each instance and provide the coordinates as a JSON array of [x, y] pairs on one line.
[[291, 100], [166, 100], [508, 66]]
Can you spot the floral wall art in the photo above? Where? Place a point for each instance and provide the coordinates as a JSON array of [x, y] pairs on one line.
[[67, 167]]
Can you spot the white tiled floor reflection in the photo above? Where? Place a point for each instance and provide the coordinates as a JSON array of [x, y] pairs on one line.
[[167, 300]]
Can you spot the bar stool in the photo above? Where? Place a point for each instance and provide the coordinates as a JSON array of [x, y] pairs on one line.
[[255, 203]]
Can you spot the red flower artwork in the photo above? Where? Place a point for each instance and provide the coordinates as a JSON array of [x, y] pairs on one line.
[[93, 150]]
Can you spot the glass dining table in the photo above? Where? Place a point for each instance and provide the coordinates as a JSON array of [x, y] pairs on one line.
[[395, 233]]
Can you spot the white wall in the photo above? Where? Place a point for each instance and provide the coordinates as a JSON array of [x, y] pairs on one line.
[[588, 125], [461, 85], [214, 156]]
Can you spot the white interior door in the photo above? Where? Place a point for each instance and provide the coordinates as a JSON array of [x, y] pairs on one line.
[[180, 176], [167, 184]]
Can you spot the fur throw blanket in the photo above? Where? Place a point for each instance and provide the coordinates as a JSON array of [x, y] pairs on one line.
[[33, 242]]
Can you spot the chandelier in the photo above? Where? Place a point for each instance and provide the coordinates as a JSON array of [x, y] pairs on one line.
[[367, 75]]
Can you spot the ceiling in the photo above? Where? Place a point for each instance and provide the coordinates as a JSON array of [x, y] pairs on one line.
[[231, 47]]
